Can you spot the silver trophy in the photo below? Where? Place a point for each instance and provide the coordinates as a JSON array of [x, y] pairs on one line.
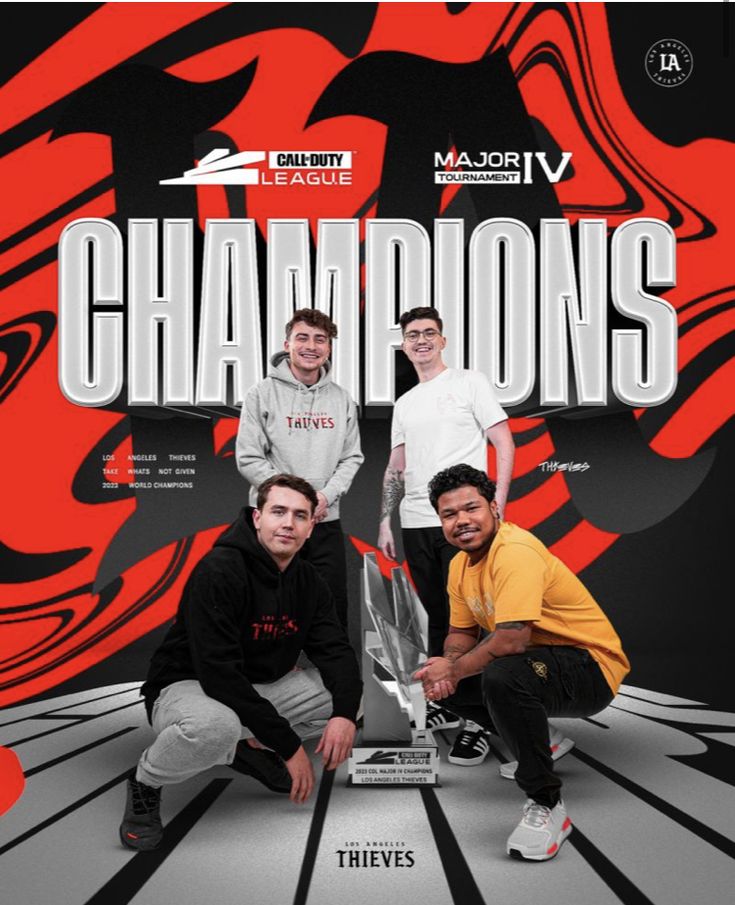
[[395, 645]]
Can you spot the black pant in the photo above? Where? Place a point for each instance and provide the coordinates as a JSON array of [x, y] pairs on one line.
[[428, 555], [325, 550], [522, 691]]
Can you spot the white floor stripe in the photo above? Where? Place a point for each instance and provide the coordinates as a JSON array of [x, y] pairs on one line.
[[21, 711], [674, 714], [358, 820], [26, 728], [657, 697]]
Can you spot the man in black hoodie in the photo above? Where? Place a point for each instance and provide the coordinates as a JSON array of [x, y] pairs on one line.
[[222, 688]]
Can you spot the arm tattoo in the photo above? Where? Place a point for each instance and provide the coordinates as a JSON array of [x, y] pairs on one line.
[[487, 639], [453, 653], [511, 626], [502, 625], [393, 490]]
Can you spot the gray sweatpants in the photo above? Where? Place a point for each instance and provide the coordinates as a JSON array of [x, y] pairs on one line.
[[195, 732]]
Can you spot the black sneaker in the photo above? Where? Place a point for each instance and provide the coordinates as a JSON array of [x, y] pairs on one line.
[[141, 828], [264, 765], [470, 748], [439, 718]]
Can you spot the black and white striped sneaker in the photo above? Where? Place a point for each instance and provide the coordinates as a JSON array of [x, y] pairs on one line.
[[471, 746], [439, 718]]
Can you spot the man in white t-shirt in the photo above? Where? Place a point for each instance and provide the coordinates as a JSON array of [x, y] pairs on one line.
[[447, 418]]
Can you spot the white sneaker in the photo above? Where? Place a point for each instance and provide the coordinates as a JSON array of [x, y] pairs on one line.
[[541, 832], [559, 744]]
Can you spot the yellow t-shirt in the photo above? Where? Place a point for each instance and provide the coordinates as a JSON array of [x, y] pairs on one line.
[[519, 580]]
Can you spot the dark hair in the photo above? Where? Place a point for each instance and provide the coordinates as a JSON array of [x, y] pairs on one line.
[[313, 318], [460, 476], [420, 314], [290, 481]]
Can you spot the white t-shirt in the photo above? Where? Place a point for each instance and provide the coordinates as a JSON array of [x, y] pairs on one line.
[[442, 422]]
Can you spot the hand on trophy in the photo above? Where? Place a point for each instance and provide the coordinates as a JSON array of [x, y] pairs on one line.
[[439, 690], [438, 677]]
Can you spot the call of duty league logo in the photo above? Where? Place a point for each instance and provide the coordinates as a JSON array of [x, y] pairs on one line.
[[669, 63]]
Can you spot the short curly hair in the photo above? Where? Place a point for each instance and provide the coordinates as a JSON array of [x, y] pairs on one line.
[[312, 317], [286, 480], [460, 476]]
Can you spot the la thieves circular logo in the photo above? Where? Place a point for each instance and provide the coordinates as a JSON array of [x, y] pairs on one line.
[[669, 63]]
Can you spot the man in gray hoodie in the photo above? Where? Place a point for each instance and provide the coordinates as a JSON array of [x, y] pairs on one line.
[[299, 422]]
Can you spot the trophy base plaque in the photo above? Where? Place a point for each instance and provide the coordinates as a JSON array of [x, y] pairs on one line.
[[414, 763]]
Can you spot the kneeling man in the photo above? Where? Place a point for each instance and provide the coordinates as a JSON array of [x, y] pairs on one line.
[[222, 688], [550, 650]]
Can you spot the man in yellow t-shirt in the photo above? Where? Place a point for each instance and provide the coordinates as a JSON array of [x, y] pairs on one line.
[[550, 651]]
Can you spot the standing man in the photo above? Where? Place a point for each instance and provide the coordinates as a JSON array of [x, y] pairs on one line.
[[299, 422], [224, 671], [550, 650], [447, 418]]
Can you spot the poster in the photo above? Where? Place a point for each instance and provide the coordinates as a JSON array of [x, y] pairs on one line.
[[614, 112]]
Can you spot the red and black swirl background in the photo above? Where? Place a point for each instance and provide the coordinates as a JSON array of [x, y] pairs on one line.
[[99, 102]]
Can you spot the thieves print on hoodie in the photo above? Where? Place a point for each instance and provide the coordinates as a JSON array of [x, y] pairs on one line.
[[309, 431]]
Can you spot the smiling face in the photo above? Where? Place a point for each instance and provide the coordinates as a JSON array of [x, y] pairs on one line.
[[469, 521], [423, 343], [284, 523], [308, 349]]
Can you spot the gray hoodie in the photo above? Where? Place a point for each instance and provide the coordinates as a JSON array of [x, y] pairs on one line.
[[309, 431]]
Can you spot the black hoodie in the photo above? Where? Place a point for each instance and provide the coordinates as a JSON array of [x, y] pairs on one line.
[[241, 620]]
